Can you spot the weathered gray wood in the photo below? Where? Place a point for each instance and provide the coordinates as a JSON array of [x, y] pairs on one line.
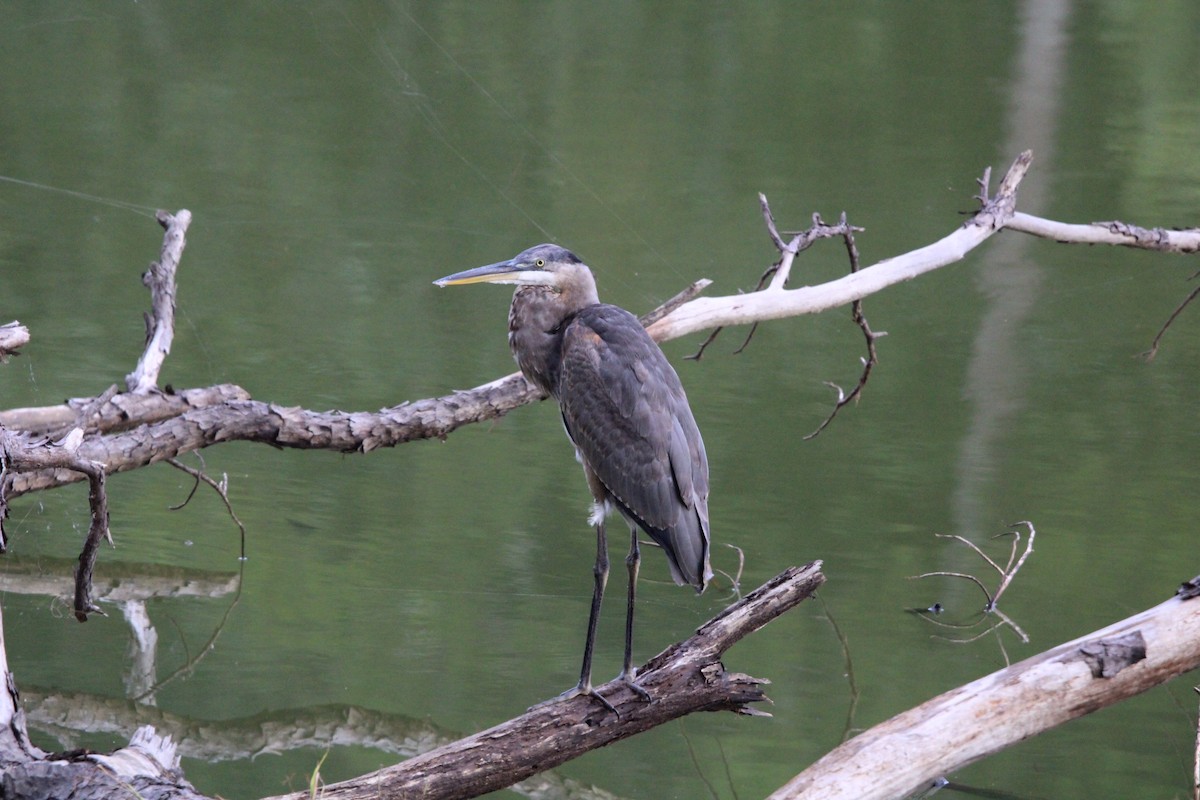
[[914, 749], [685, 678], [160, 322]]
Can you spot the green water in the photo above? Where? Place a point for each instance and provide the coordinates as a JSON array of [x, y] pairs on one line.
[[339, 157]]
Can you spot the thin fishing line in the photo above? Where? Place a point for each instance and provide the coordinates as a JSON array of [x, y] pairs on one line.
[[558, 162], [408, 86], [140, 210]]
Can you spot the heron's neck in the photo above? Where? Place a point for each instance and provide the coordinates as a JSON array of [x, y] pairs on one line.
[[535, 326]]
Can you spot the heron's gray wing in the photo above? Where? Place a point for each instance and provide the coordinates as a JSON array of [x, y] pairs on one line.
[[626, 412]]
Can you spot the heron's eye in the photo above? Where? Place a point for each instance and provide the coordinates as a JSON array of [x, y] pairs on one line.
[[541, 262]]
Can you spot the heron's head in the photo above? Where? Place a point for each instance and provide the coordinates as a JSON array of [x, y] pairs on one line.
[[543, 265]]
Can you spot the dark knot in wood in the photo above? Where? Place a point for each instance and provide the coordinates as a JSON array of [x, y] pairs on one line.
[[1107, 657], [1189, 589]]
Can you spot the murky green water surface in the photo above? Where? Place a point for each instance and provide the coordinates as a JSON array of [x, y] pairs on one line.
[[339, 157]]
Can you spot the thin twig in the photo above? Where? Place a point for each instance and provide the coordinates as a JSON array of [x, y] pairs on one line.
[[1012, 573], [1153, 351], [963, 575], [1017, 629], [769, 219], [775, 277], [685, 295], [856, 314], [687, 739], [189, 662], [736, 580], [222, 490], [984, 187], [973, 546]]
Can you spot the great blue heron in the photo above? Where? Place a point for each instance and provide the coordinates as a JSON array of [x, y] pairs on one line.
[[625, 411]]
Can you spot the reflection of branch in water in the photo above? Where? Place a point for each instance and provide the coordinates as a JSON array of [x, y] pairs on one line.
[[848, 730], [121, 582], [143, 650], [65, 716], [1007, 573], [942, 783], [712, 790], [131, 586], [191, 662]]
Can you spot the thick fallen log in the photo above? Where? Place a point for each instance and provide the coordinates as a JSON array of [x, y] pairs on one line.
[[913, 751]]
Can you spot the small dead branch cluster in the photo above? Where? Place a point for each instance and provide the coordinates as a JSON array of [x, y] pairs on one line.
[[1007, 573], [775, 279]]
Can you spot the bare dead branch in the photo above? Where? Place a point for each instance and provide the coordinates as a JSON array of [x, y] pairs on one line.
[[1119, 234], [1011, 571], [684, 678], [938, 737], [775, 277], [743, 309], [1007, 573], [122, 411], [687, 293], [963, 575], [772, 231], [290, 427], [160, 322], [976, 548]]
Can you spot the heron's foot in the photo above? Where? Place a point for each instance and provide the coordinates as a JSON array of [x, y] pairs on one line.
[[584, 689], [629, 678]]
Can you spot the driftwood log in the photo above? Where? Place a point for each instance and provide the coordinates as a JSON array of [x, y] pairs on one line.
[[912, 752]]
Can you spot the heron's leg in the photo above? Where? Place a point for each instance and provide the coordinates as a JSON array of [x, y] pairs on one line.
[[600, 573], [584, 686], [633, 563], [585, 674]]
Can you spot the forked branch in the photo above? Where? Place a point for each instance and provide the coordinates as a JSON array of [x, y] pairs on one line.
[[684, 678]]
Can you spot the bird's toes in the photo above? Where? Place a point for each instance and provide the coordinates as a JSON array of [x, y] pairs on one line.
[[577, 691], [629, 678]]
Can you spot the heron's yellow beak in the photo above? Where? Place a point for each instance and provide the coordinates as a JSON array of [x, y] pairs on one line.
[[501, 272]]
